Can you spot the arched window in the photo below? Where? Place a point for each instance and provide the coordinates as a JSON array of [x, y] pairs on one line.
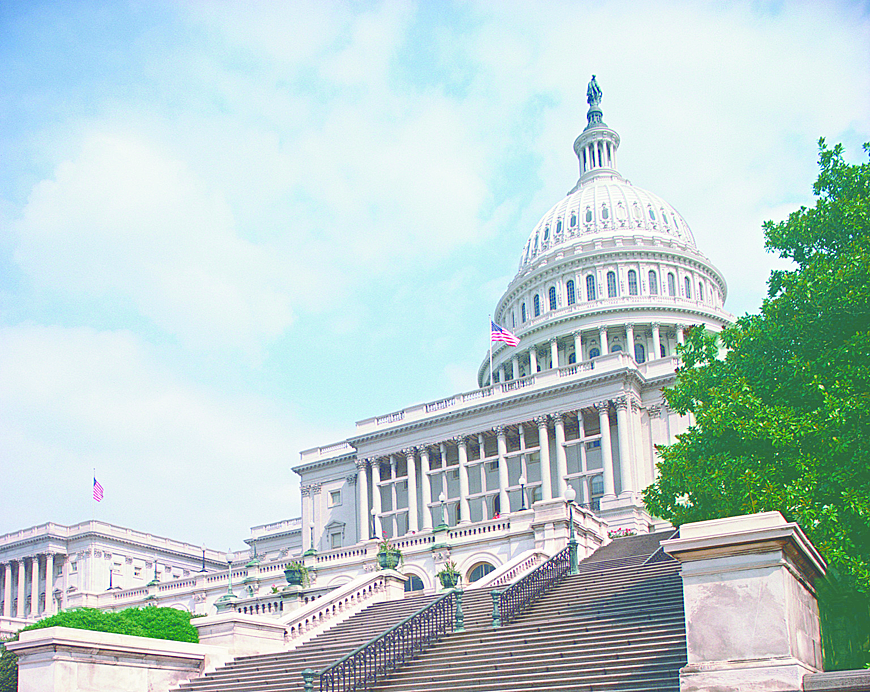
[[672, 285], [573, 219], [596, 489], [594, 353], [605, 213], [546, 234], [652, 214], [480, 571], [662, 350], [496, 506], [639, 353], [632, 282], [572, 358], [537, 303], [616, 348], [559, 226], [653, 283], [700, 291], [688, 285], [570, 287], [588, 215], [414, 583], [552, 296], [590, 287], [611, 284], [523, 311]]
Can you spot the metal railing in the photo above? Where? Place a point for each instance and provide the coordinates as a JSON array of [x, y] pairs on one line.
[[512, 601], [362, 668]]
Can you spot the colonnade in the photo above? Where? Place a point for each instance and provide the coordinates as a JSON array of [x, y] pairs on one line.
[[431, 468], [25, 573], [556, 353]]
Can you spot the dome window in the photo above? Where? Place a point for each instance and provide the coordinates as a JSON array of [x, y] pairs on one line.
[[688, 285], [653, 283], [700, 291], [664, 216], [639, 353], [552, 296], [635, 209], [611, 284], [573, 219], [590, 287], [588, 214], [536, 242], [546, 233], [523, 312], [605, 212], [594, 353], [570, 289], [672, 285], [559, 226], [632, 282], [652, 214], [537, 303]]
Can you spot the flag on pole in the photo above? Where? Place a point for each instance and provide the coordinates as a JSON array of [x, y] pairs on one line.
[[98, 490], [502, 334]]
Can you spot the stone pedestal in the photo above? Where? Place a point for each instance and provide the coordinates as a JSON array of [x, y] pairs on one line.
[[752, 620], [241, 635]]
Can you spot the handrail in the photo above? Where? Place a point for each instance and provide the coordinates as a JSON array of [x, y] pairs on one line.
[[511, 602], [365, 665]]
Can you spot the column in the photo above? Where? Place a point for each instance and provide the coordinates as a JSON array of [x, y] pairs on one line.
[[629, 340], [48, 608], [394, 500], [413, 525], [606, 448], [7, 591], [502, 375], [444, 486], [427, 488], [544, 453], [680, 336], [554, 353], [623, 429], [376, 496], [602, 339], [503, 481], [482, 469], [515, 366], [34, 586], [578, 347], [465, 513], [642, 472], [19, 611], [561, 456], [305, 490], [657, 341], [315, 512], [533, 360], [363, 516]]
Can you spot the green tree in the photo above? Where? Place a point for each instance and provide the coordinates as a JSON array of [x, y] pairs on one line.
[[781, 403]]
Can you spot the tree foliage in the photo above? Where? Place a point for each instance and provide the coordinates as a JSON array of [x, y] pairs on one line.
[[781, 401]]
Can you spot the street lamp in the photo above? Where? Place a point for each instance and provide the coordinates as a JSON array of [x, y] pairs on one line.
[[522, 492], [374, 523], [229, 557], [442, 524], [228, 600], [311, 550], [570, 494], [203, 558]]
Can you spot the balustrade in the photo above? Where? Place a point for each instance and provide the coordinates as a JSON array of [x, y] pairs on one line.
[[512, 601]]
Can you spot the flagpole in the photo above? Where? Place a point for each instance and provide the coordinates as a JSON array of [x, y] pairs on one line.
[[491, 375]]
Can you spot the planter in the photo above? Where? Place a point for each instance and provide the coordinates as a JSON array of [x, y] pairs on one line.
[[388, 559], [448, 580], [295, 577]]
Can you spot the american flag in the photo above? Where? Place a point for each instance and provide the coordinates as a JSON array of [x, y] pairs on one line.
[[502, 334], [98, 490]]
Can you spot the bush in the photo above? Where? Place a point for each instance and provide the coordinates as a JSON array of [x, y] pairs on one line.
[[153, 622], [8, 669]]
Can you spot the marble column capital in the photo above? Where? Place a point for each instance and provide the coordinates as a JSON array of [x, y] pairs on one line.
[[602, 406], [558, 417], [500, 430], [621, 403], [409, 451], [655, 411], [351, 479], [460, 440], [542, 421], [361, 465]]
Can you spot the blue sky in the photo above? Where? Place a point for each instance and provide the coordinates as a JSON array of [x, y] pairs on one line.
[[230, 230]]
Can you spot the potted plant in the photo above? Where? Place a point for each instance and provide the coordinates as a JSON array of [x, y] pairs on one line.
[[448, 576], [389, 556], [296, 574]]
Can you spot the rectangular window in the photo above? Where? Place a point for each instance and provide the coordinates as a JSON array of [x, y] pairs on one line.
[[334, 498], [493, 466], [137, 572], [335, 540]]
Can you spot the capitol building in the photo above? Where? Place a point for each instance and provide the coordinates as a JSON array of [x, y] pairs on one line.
[[607, 284]]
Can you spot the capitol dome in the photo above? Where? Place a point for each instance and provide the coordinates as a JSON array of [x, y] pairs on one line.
[[609, 268]]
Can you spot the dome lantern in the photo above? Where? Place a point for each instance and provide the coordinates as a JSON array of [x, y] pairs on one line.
[[597, 144]]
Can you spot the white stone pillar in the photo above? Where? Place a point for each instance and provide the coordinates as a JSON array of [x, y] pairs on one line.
[[413, 524], [34, 586], [482, 472], [464, 511], [641, 470], [657, 341], [623, 429], [19, 610], [427, 487], [444, 486], [394, 500], [602, 339], [501, 440], [544, 453], [48, 608], [316, 513], [629, 340], [578, 347], [680, 336], [533, 360], [554, 353], [606, 449], [561, 456], [363, 516], [376, 496], [7, 591], [515, 367], [305, 491]]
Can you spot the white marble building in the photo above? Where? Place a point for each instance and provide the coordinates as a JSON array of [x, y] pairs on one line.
[[608, 282]]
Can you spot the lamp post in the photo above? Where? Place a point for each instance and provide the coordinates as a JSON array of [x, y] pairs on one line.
[[228, 600], [203, 558], [522, 480], [311, 550], [442, 524], [374, 523], [570, 494]]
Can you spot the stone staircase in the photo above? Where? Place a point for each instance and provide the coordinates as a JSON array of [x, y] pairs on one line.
[[283, 671], [618, 625]]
